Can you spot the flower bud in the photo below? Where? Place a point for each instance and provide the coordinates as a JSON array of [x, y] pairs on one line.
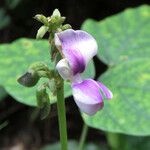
[[57, 21], [41, 95], [29, 79], [41, 32], [38, 66], [66, 26], [56, 13], [43, 101], [36, 71], [41, 18]]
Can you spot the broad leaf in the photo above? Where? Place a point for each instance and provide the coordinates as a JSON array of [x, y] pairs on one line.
[[16, 58], [123, 41], [122, 37], [129, 111]]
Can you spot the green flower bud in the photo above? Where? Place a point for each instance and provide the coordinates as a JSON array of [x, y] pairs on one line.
[[45, 111], [55, 22], [38, 66], [43, 101], [41, 32], [56, 13], [36, 71], [29, 79], [41, 95], [66, 26], [41, 18]]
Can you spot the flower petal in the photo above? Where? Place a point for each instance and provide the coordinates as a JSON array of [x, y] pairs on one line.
[[78, 46], [87, 96], [107, 93], [64, 69]]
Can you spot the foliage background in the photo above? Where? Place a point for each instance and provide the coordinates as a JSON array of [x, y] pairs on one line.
[[20, 124]]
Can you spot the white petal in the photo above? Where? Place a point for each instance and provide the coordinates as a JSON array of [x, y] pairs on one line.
[[64, 69]]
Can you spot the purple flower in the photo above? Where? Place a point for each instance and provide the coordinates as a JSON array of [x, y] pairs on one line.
[[88, 95], [78, 48]]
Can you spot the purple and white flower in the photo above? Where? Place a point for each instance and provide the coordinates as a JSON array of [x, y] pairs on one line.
[[78, 48]]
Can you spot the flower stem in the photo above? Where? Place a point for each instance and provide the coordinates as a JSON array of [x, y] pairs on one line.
[[83, 137], [62, 115]]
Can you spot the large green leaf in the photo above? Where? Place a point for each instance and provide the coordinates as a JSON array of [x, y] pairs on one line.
[[124, 42], [129, 111], [122, 37], [15, 58]]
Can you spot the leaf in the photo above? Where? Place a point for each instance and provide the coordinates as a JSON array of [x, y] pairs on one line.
[[72, 145], [5, 19], [129, 111], [12, 4], [16, 58], [124, 44], [3, 93], [89, 71], [122, 37], [138, 143]]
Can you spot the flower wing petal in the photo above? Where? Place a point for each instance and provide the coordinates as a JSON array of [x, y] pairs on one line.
[[107, 93], [87, 96]]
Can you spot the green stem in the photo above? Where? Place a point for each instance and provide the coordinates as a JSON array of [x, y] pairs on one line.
[[83, 137], [62, 115], [116, 141]]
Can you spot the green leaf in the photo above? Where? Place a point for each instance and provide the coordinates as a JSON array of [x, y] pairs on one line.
[[5, 19], [72, 145], [122, 37], [89, 71], [3, 93], [129, 110], [123, 41], [127, 142], [12, 4], [15, 60], [138, 143]]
